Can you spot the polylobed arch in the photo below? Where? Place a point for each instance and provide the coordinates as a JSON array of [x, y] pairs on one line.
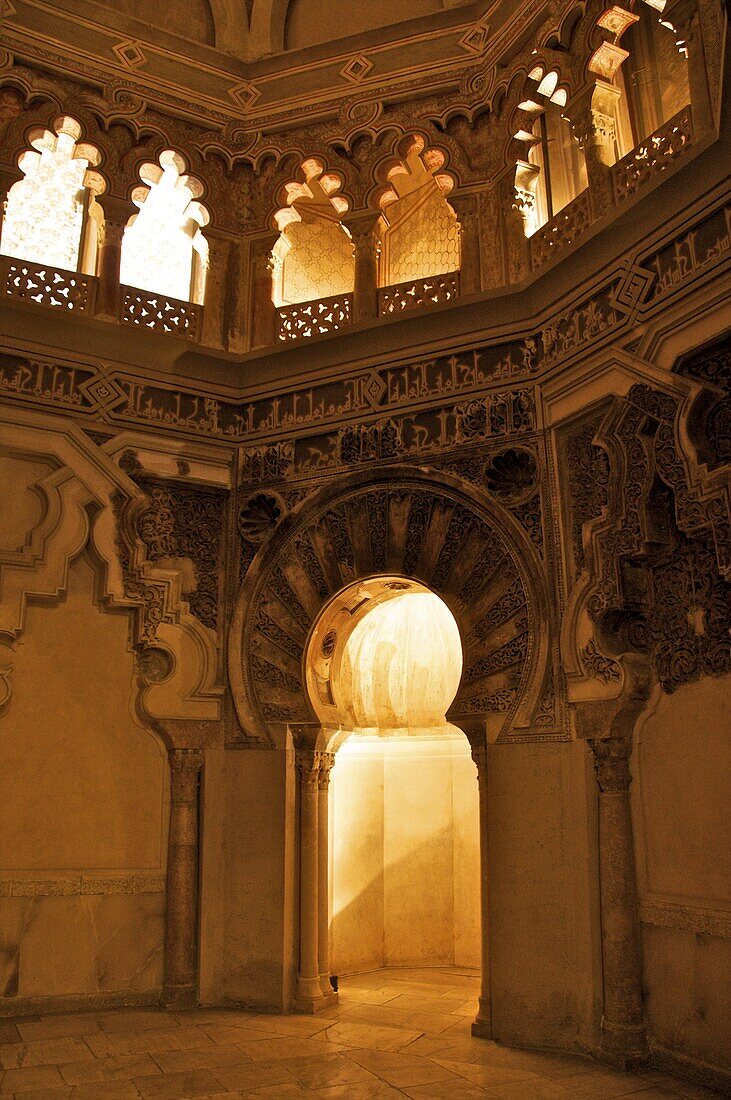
[[51, 216], [163, 248], [313, 257], [415, 524], [419, 234]]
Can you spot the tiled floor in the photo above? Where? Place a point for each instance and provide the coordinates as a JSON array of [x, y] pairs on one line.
[[395, 1033]]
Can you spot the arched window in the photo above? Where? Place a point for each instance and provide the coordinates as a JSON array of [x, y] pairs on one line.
[[554, 149], [163, 249], [314, 254], [653, 80], [51, 217], [419, 230]]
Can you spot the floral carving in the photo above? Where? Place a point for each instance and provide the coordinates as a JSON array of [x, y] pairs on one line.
[[187, 523]]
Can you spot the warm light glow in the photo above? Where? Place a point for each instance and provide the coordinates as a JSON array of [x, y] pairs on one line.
[[45, 210], [405, 869], [314, 256], [403, 662], [548, 85], [161, 243]]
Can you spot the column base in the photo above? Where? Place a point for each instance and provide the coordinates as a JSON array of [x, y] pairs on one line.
[[179, 996], [624, 1045], [315, 1004], [482, 1023]]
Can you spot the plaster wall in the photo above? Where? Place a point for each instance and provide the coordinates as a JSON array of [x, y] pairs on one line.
[[248, 876], [680, 798], [84, 800], [544, 941], [405, 854]]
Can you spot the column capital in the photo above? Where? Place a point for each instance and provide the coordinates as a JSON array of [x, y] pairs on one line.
[[117, 211], [592, 115], [361, 226], [611, 758], [314, 767], [465, 206]]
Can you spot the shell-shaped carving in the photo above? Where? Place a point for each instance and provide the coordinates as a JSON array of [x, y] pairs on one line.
[[259, 515], [511, 474]]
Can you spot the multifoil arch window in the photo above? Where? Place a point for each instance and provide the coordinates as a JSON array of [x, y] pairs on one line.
[[553, 148], [51, 216], [163, 248], [313, 257], [653, 81], [418, 229]]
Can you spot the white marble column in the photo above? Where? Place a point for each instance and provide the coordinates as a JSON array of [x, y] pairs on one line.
[[309, 992], [327, 760]]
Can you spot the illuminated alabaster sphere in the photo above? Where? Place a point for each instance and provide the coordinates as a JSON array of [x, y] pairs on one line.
[[402, 663]]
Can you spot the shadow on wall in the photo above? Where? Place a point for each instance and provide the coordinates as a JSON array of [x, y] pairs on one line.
[[405, 854]]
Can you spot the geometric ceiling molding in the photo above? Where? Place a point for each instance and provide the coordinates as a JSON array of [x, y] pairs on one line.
[[475, 39], [130, 53], [357, 69], [244, 94]]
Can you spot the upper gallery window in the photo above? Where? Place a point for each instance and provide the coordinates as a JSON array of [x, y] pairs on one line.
[[313, 257], [163, 248], [419, 230], [51, 217], [653, 80], [553, 148]]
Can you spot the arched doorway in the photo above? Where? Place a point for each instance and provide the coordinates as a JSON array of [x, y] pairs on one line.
[[387, 655], [417, 526], [383, 664]]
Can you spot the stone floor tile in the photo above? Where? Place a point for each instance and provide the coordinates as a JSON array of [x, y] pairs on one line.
[[385, 995], [122, 1068], [34, 1077], [136, 1020], [44, 1052], [285, 1092], [539, 1088], [448, 1090], [178, 1061], [63, 1093], [401, 1070], [378, 1090], [487, 1075], [177, 1086], [8, 1033], [392, 1016], [286, 1046], [143, 1042], [289, 1025], [257, 1075], [226, 1035], [369, 1035], [326, 1070], [58, 1027], [103, 1090]]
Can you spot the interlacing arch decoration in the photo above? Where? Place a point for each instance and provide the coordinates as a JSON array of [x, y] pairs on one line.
[[313, 257], [163, 248], [659, 557], [400, 522], [419, 237], [51, 218]]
